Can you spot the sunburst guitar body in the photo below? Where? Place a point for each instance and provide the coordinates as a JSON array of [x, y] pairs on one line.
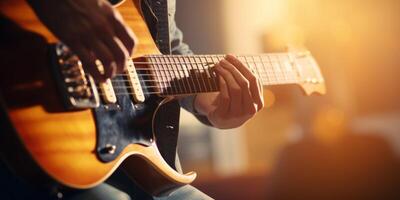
[[78, 139]]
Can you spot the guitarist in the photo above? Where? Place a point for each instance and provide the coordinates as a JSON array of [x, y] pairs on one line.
[[93, 29]]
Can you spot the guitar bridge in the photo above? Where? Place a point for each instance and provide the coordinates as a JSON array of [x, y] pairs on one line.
[[78, 90]]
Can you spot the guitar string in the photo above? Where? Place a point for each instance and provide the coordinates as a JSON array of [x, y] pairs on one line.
[[168, 80], [180, 92], [170, 70], [163, 88]]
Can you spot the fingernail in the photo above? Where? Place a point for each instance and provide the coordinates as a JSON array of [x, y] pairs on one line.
[[113, 67]]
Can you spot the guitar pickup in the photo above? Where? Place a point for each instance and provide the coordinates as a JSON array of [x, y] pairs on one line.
[[107, 90], [134, 83]]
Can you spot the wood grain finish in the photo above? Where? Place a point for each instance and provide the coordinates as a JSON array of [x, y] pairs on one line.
[[63, 144]]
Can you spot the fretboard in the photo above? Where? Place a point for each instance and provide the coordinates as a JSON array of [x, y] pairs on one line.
[[181, 75]]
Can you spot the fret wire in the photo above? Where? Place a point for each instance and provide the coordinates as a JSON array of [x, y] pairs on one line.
[[180, 71], [285, 67], [257, 66], [284, 76], [182, 74], [292, 65], [201, 81], [256, 69], [172, 86], [182, 88], [171, 70], [187, 74], [155, 71], [250, 63], [282, 64], [164, 83], [272, 68], [263, 75], [214, 59], [210, 78], [204, 75], [158, 81], [264, 68], [168, 88], [247, 62], [201, 74], [154, 67], [153, 86], [193, 71], [160, 72], [211, 73], [276, 69], [169, 77]]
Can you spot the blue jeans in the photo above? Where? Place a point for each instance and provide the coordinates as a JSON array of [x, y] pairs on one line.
[[117, 187], [107, 192]]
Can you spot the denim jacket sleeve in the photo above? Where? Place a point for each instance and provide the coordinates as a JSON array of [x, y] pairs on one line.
[[181, 48]]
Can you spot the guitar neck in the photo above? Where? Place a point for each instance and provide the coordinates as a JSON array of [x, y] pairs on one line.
[[190, 74]]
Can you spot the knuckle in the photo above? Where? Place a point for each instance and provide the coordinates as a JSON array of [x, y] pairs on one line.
[[120, 56], [229, 66], [98, 24], [253, 79], [260, 106], [79, 34], [222, 83], [253, 109], [132, 41], [223, 72], [236, 90], [225, 98], [244, 84]]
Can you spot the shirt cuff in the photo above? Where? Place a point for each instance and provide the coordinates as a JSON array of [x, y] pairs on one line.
[[188, 104]]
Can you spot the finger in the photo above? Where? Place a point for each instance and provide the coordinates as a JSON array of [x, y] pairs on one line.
[[260, 89], [104, 55], [247, 103], [123, 32], [235, 93], [88, 62], [223, 104], [119, 52], [255, 88], [108, 36]]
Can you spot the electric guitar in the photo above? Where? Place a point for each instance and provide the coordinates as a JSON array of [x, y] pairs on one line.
[[78, 132]]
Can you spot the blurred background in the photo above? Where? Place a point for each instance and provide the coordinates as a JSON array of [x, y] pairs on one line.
[[343, 145]]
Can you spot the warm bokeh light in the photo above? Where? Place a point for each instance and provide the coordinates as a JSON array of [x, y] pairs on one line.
[[269, 98], [357, 45], [329, 125]]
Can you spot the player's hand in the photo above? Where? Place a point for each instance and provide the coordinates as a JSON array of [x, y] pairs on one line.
[[239, 99], [93, 29]]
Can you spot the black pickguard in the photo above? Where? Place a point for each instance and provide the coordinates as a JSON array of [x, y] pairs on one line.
[[123, 123], [126, 123]]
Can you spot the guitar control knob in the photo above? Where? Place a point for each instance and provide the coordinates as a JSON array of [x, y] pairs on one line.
[[108, 149]]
